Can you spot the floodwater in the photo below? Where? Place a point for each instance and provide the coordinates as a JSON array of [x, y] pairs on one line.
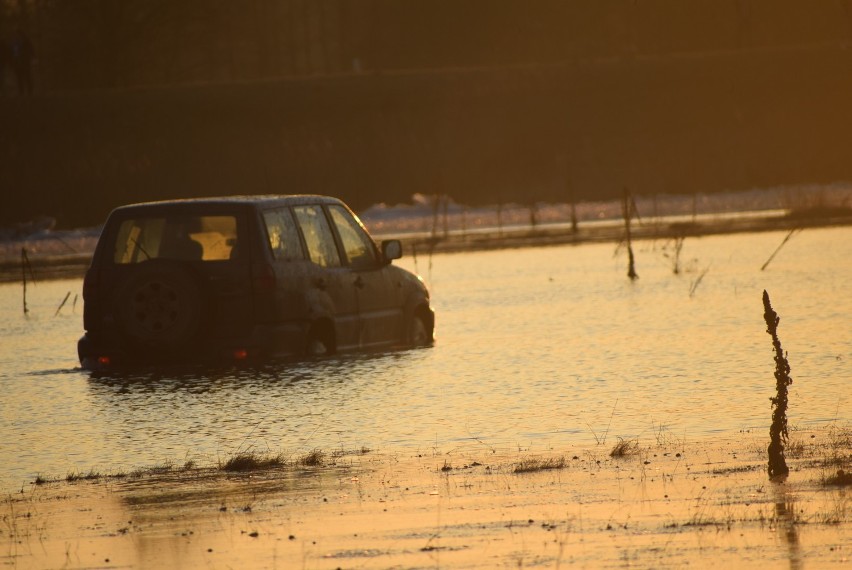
[[537, 349]]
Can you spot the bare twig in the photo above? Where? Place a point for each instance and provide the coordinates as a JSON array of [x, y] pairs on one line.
[[697, 282], [62, 304], [610, 421], [774, 253]]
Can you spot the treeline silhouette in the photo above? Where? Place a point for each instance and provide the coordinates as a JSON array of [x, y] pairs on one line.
[[488, 101], [85, 44]]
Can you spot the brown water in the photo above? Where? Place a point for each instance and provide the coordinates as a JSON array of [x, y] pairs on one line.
[[536, 349]]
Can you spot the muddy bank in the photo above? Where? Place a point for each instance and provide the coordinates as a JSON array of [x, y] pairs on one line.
[[48, 266], [665, 503]]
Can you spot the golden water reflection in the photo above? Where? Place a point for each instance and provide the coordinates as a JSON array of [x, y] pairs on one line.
[[540, 348]]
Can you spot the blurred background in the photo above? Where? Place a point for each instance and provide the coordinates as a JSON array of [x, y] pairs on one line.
[[486, 101]]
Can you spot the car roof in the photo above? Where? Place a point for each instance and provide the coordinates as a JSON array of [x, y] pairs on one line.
[[261, 200]]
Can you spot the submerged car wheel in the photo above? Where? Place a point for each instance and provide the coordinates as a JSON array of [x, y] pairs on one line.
[[418, 333], [160, 306], [320, 340]]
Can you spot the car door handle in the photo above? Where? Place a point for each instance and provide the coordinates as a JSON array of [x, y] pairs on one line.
[[320, 283], [359, 283]]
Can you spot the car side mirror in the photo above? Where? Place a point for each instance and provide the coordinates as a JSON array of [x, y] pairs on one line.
[[391, 249]]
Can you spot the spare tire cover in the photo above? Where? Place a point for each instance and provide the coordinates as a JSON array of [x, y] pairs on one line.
[[160, 305]]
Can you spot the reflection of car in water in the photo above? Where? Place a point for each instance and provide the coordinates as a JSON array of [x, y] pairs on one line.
[[241, 277]]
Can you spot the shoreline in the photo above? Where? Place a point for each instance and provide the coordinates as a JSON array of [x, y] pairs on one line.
[[662, 503], [71, 266]]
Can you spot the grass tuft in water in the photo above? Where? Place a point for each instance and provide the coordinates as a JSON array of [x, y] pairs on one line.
[[533, 464], [250, 461], [624, 448], [315, 458], [840, 479], [92, 475]]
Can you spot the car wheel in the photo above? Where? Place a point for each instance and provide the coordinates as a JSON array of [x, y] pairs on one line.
[[160, 306], [418, 333], [319, 341]]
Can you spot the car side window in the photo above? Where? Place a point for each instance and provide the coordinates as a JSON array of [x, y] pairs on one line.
[[318, 236], [357, 245], [283, 234]]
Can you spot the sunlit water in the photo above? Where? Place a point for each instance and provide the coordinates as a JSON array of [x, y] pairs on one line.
[[539, 349]]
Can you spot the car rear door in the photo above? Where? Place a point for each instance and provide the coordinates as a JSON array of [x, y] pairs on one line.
[[225, 265], [204, 244]]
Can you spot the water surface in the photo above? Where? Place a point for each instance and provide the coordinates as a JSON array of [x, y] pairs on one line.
[[538, 348]]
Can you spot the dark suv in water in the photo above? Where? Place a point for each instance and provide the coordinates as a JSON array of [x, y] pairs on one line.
[[245, 276]]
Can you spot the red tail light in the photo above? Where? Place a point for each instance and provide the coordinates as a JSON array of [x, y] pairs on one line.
[[240, 354], [104, 360]]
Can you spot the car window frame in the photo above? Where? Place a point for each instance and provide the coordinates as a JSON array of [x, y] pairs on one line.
[[375, 262], [335, 242], [108, 254], [303, 248]]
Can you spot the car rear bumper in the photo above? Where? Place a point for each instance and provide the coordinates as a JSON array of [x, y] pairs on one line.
[[97, 352]]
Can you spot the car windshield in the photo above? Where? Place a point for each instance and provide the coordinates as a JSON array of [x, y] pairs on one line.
[[188, 238]]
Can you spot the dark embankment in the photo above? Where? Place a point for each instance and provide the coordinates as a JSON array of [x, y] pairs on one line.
[[669, 124]]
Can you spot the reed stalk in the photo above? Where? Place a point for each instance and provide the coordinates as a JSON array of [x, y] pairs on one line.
[[774, 253]]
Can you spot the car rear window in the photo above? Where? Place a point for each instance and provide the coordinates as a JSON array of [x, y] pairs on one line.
[[199, 238]]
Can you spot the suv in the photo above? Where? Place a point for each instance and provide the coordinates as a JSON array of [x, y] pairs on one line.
[[242, 277]]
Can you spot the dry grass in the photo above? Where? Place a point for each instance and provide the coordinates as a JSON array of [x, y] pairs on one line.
[[314, 458], [624, 448], [840, 479], [534, 464], [251, 461], [838, 454], [80, 476]]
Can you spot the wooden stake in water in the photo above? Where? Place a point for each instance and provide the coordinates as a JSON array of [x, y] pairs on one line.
[[778, 430], [26, 268], [628, 208], [436, 205], [572, 201]]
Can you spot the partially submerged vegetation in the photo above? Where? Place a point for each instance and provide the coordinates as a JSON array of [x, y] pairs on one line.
[[314, 458], [840, 479], [252, 461], [533, 464], [240, 462], [625, 447], [90, 476], [778, 432], [671, 493]]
